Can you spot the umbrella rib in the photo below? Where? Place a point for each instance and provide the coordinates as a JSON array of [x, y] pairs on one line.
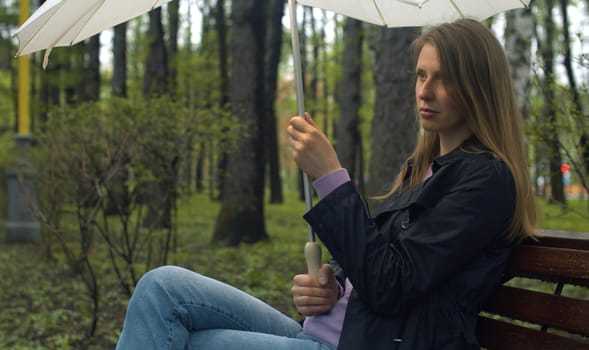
[[379, 12], [154, 4], [71, 26], [98, 5], [418, 4], [37, 31], [457, 8], [50, 47]]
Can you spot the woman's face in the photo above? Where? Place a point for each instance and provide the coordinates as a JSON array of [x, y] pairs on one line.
[[437, 110]]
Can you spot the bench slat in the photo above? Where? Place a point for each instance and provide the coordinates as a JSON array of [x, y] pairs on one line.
[[558, 257], [560, 239], [499, 335], [544, 309], [550, 263]]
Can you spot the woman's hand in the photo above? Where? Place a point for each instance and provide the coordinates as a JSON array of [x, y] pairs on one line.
[[311, 149], [315, 296]]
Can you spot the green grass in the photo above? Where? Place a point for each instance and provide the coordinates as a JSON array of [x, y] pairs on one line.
[[44, 306], [574, 217]]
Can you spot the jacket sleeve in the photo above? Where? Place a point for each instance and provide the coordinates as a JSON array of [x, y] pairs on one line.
[[391, 274], [339, 272]]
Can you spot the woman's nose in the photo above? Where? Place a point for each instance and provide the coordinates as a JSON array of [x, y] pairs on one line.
[[424, 91]]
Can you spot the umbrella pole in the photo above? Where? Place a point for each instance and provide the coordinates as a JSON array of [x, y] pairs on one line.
[[312, 248]]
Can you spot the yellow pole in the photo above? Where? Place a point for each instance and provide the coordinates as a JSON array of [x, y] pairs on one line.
[[24, 123]]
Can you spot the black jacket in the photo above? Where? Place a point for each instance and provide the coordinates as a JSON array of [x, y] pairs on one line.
[[424, 264]]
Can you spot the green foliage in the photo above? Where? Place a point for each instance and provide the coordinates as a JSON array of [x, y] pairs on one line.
[[39, 301], [7, 158], [8, 22], [7, 103], [97, 141]]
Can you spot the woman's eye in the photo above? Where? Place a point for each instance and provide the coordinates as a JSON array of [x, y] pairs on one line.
[[421, 75]]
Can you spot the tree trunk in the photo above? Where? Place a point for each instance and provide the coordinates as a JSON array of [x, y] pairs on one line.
[[325, 80], [91, 66], [119, 200], [200, 165], [519, 30], [314, 83], [394, 126], [173, 25], [360, 181], [49, 90], [549, 111], [119, 47], [205, 152], [578, 111], [155, 79], [221, 26], [336, 61], [274, 46], [73, 71], [159, 195], [241, 217], [348, 133]]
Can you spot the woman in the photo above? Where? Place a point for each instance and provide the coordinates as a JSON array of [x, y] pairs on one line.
[[413, 276]]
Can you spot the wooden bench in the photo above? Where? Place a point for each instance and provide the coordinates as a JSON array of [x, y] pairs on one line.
[[520, 316]]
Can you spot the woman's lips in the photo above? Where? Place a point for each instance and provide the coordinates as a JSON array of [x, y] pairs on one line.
[[427, 113]]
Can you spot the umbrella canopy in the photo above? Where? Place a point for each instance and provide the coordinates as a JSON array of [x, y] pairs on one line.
[[413, 13], [67, 22]]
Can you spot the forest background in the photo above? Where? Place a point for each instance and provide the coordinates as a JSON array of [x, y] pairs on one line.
[[168, 146]]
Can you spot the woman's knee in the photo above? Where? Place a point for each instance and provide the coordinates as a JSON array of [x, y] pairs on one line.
[[161, 281], [157, 276]]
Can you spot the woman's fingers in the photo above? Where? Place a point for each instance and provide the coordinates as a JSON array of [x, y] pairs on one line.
[[309, 120], [308, 300], [312, 298], [311, 149], [309, 305], [313, 310], [297, 132]]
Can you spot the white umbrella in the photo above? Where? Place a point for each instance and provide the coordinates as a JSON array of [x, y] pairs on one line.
[[67, 22], [389, 13], [412, 13]]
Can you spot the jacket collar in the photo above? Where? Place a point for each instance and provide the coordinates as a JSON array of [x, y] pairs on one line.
[[457, 153]]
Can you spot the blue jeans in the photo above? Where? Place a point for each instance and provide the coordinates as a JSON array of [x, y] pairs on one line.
[[174, 308]]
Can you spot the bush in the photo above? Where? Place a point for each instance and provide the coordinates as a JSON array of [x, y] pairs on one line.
[[121, 157]]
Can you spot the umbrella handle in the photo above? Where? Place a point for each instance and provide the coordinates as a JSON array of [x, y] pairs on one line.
[[313, 257]]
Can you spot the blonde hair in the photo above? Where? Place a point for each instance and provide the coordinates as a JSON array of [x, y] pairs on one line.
[[476, 71]]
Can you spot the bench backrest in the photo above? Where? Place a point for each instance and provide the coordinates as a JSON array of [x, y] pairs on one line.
[[518, 317]]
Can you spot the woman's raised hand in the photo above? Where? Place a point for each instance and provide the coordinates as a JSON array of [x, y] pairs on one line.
[[311, 149]]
